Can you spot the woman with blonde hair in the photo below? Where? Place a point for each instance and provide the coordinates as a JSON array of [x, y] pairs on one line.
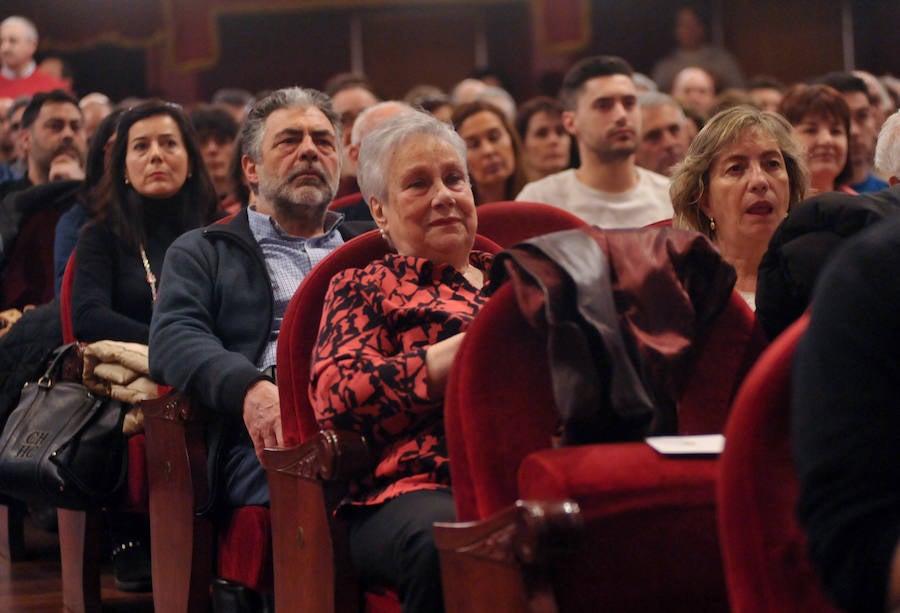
[[742, 174]]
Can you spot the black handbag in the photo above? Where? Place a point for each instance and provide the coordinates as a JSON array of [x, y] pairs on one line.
[[62, 445]]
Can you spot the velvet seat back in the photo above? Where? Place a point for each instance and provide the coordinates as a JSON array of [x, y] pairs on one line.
[[499, 406], [763, 547], [508, 222]]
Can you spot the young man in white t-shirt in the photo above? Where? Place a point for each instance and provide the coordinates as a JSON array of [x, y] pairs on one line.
[[608, 189]]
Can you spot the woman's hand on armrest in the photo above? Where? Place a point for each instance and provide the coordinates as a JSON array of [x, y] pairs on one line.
[[438, 359]]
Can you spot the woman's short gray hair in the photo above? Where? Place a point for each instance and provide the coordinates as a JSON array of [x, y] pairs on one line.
[[289, 97], [690, 179], [377, 149]]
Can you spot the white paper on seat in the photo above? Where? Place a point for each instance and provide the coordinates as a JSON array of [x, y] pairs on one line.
[[703, 444]]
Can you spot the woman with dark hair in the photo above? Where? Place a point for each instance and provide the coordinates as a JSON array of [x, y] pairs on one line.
[[493, 151], [821, 121], [546, 146], [70, 222], [156, 188]]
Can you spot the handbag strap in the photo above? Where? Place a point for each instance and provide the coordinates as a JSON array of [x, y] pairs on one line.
[[56, 358]]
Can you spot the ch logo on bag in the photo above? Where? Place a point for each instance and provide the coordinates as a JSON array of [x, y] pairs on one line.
[[33, 443]]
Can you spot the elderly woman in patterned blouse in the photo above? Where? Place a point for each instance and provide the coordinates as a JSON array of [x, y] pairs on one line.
[[389, 333]]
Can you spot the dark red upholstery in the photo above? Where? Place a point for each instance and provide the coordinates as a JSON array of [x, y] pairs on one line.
[[763, 547], [29, 277], [245, 548], [649, 521], [509, 222], [344, 201]]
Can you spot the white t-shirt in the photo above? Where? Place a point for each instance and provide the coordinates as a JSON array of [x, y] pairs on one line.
[[647, 203]]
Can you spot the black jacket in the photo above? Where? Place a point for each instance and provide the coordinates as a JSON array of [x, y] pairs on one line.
[[803, 244]]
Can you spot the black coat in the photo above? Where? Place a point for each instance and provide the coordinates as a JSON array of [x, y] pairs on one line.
[[803, 244]]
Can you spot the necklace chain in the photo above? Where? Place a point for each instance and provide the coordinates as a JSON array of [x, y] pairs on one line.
[[151, 278]]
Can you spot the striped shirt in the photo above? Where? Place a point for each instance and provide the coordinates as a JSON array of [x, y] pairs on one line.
[[289, 259]]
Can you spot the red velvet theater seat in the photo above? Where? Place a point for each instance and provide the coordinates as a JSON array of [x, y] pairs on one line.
[[312, 569], [649, 539], [763, 546], [508, 222]]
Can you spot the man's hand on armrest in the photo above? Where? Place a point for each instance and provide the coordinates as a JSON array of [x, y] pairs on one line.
[[262, 416]]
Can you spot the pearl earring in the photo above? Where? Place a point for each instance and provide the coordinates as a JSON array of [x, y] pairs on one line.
[[712, 224]]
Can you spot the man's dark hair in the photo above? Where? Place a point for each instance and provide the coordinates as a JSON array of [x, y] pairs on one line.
[[590, 68], [845, 83], [346, 80], [18, 103], [765, 82], [233, 96], [215, 123], [40, 99]]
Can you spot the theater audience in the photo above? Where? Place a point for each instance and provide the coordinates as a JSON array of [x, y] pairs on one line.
[[742, 174], [86, 198], [467, 90], [493, 151], [94, 108], [235, 100], [821, 121], [862, 130], [546, 146], [216, 132], [55, 129], [694, 49], [500, 98], [432, 99], [156, 188], [664, 134], [18, 71], [607, 189], [388, 335], [695, 88], [368, 120], [766, 92], [350, 94]]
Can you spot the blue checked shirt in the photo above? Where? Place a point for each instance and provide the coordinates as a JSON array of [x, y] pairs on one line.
[[288, 260]]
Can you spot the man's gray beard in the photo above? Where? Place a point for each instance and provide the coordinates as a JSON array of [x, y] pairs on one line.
[[292, 201]]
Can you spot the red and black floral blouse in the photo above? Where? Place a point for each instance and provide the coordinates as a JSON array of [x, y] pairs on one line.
[[369, 369]]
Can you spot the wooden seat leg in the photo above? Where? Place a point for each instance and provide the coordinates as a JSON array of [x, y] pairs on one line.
[[80, 535]]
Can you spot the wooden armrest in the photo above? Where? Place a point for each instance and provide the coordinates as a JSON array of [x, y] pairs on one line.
[[332, 456], [306, 483], [182, 543], [173, 406], [503, 563]]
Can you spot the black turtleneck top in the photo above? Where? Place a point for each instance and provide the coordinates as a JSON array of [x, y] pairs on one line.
[[111, 297]]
